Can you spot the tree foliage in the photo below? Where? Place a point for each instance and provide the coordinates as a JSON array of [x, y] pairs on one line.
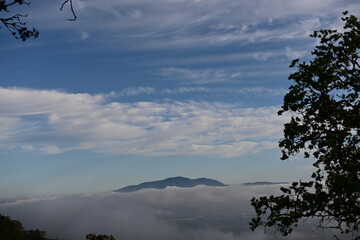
[[13, 230], [325, 126], [93, 236], [16, 23]]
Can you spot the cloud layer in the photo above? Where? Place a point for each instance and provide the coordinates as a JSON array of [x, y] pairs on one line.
[[200, 213], [54, 122], [201, 23]]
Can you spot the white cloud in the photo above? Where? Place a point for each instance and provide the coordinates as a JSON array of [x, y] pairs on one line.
[[27, 147], [199, 76], [264, 56], [294, 54], [50, 150], [84, 35], [131, 91], [55, 122], [180, 90], [254, 91]]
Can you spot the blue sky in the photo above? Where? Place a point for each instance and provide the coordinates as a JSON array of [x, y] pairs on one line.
[[138, 90]]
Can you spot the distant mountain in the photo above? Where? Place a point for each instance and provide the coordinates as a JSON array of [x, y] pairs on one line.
[[175, 182], [263, 183]]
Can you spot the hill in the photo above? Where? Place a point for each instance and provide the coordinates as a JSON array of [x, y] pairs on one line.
[[181, 182]]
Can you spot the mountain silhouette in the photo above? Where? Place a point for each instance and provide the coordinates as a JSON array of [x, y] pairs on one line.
[[181, 182], [263, 183]]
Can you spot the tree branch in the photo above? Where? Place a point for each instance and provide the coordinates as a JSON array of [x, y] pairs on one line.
[[70, 2]]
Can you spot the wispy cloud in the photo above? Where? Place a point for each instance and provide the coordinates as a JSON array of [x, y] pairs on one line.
[[199, 77], [84, 35], [169, 24], [55, 122], [132, 91], [254, 91], [294, 54]]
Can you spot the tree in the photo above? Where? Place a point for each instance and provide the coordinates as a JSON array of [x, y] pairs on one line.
[[15, 23], [325, 126], [36, 235], [14, 230], [11, 229], [93, 236]]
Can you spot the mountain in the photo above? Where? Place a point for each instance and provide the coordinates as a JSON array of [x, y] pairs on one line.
[[175, 182], [263, 183]]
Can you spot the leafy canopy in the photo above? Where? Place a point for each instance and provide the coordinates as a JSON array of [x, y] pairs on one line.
[[325, 126]]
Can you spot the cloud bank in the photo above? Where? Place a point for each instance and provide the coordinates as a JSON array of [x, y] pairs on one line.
[[200, 213], [53, 122]]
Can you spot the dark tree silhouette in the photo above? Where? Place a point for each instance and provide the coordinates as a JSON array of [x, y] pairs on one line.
[[93, 236], [325, 126], [11, 229], [16, 23], [14, 230], [36, 235]]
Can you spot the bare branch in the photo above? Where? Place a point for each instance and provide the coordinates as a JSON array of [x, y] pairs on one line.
[[70, 2], [17, 26]]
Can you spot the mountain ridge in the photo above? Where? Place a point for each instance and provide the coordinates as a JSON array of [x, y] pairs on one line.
[[263, 183], [182, 182]]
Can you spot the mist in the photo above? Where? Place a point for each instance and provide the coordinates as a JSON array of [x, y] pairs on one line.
[[209, 213]]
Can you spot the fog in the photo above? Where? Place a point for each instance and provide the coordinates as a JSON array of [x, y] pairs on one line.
[[209, 213]]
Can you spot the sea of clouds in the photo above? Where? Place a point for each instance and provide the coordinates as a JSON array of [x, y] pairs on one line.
[[208, 213]]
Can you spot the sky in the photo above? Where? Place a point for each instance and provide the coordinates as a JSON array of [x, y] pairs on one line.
[[138, 90]]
